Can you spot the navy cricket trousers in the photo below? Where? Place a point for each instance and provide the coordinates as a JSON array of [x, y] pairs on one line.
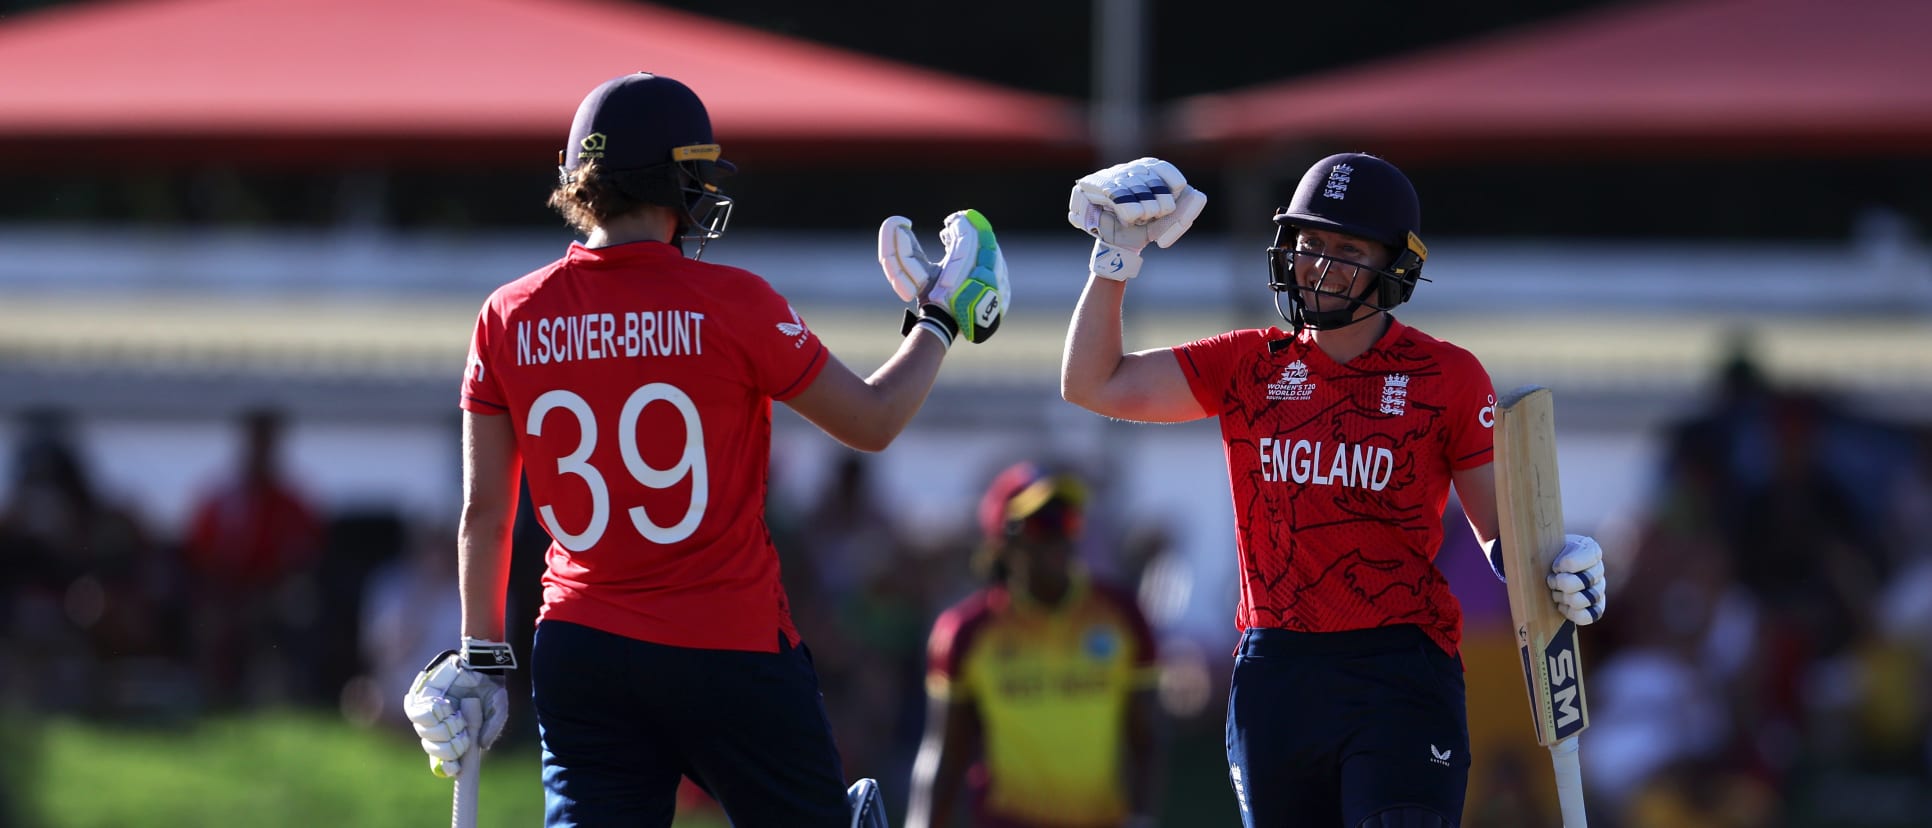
[[621, 720], [1326, 729]]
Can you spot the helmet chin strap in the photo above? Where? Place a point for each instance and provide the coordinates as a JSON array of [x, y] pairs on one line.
[[1333, 319]]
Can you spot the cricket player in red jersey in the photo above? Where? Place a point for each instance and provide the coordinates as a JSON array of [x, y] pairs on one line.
[[1342, 435], [632, 387], [1045, 677]]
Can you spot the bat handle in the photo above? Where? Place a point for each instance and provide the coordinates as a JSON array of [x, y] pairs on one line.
[[1569, 782], [469, 779]]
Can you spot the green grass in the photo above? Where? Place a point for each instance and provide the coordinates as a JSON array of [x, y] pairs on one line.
[[287, 769]]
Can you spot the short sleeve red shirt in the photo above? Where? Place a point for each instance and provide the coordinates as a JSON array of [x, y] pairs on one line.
[[639, 384], [1340, 473]]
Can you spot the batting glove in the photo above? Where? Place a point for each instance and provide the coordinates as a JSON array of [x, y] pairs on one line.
[[965, 293], [1576, 580], [434, 703], [1128, 205]]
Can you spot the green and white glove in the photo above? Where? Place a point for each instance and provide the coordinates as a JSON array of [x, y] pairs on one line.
[[1125, 206], [434, 703], [965, 293]]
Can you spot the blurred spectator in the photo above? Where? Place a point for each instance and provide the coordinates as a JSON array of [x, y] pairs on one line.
[[1730, 437], [1651, 705], [1774, 668], [1911, 507], [852, 537], [1798, 543], [864, 609], [1042, 684], [81, 594], [250, 552], [356, 544], [411, 611]]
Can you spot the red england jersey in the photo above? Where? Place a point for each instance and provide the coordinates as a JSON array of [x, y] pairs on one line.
[[1340, 473], [640, 383]]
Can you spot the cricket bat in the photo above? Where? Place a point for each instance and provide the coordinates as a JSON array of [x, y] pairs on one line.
[[1530, 506], [469, 779]]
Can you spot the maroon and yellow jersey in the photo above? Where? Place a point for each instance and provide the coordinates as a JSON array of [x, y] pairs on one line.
[[1051, 686], [1340, 473], [640, 383]]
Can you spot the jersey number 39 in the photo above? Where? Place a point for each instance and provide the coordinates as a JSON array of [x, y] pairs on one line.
[[691, 463]]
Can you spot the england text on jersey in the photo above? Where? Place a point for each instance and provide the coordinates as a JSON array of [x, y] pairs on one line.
[[609, 335], [1326, 464]]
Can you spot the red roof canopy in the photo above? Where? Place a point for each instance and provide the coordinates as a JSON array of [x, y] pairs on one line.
[[463, 80], [1704, 76]]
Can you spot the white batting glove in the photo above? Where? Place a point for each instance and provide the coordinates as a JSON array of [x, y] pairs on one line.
[[434, 703], [903, 259], [967, 290], [1576, 580], [1126, 206]]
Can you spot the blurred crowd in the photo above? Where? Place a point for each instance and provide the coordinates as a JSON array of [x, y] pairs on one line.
[[103, 617], [1766, 660], [1770, 660]]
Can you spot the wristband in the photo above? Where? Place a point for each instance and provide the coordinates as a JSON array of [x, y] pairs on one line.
[[937, 330], [935, 319], [1113, 262], [488, 656]]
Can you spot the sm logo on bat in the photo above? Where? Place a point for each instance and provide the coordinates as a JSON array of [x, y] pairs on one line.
[[1564, 682]]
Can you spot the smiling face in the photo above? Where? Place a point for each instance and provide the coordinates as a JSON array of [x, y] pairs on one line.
[[1335, 271]]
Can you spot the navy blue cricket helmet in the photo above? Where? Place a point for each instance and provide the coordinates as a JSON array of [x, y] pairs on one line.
[[653, 135], [1363, 196]]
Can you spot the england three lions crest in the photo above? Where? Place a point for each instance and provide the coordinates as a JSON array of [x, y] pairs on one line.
[[1395, 394]]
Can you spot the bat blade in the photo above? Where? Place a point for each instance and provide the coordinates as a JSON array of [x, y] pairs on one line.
[[1530, 508], [1530, 504]]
